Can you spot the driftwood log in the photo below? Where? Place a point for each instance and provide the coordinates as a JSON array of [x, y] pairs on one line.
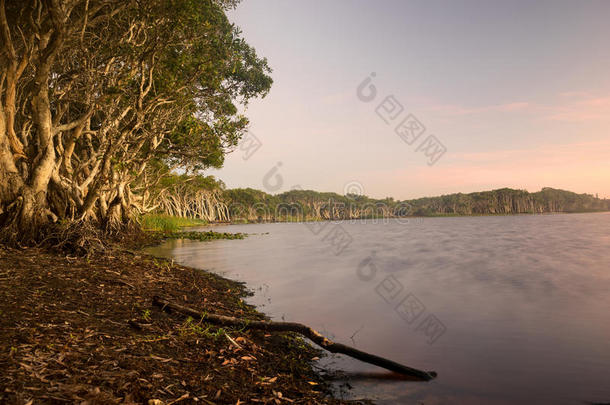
[[304, 330]]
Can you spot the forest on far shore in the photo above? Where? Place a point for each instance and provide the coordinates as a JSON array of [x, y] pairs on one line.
[[207, 198]]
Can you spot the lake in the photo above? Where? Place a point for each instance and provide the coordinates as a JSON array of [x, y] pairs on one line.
[[507, 309]]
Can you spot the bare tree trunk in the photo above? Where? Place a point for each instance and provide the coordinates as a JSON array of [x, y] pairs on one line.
[[12, 181]]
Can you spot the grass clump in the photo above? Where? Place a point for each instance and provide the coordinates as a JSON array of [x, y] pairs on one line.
[[168, 223], [159, 227], [202, 236]]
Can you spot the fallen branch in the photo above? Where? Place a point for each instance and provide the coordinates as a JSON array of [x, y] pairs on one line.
[[304, 330]]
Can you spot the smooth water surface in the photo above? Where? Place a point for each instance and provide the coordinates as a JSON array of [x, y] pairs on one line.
[[507, 309]]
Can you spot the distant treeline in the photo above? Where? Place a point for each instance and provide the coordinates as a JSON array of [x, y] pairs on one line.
[[207, 198], [509, 201]]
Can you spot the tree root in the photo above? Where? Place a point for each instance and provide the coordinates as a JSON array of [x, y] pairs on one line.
[[77, 237], [299, 328]]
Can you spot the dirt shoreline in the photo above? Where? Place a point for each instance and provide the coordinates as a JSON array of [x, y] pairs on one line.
[[83, 330]]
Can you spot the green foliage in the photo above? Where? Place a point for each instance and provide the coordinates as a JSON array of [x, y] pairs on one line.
[[312, 205], [167, 223], [203, 236], [201, 329], [194, 182], [112, 86], [216, 69], [508, 201]]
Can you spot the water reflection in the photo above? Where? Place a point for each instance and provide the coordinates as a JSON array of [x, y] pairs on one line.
[[524, 300]]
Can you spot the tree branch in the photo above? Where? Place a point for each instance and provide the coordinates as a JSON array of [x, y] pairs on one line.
[[6, 34], [304, 330], [76, 123]]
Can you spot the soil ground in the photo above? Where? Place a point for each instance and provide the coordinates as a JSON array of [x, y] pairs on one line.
[[83, 330]]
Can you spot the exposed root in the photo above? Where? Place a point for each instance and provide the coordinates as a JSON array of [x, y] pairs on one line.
[[81, 238], [304, 330]]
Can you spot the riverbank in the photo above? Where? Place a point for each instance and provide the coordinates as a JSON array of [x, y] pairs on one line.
[[76, 329], [405, 220]]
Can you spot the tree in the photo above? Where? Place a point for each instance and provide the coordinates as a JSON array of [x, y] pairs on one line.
[[97, 95]]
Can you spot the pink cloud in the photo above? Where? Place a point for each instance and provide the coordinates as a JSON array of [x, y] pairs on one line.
[[548, 154], [460, 110], [581, 108], [570, 107], [580, 167]]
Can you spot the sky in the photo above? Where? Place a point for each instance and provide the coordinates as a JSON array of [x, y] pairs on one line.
[[493, 94]]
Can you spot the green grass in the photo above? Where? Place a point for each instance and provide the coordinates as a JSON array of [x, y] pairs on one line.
[[202, 236], [168, 227], [168, 223]]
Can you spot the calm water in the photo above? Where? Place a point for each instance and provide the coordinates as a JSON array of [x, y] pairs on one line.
[[524, 301]]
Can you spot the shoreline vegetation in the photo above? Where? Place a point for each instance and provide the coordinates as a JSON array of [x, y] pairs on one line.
[[247, 206], [377, 219], [160, 227], [206, 198]]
